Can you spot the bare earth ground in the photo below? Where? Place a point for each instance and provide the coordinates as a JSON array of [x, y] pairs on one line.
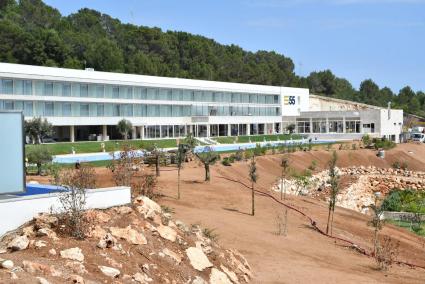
[[303, 255]]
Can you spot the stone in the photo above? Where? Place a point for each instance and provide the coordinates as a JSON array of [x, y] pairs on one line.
[[42, 280], [130, 235], [7, 264], [199, 280], [28, 231], [142, 278], [76, 279], [109, 271], [76, 267], [167, 233], [73, 254], [232, 275], [177, 258], [98, 216], [44, 220], [98, 232], [19, 243], [47, 232], [218, 277], [33, 267], [107, 241], [198, 259], [40, 244], [147, 207], [124, 210], [52, 251]]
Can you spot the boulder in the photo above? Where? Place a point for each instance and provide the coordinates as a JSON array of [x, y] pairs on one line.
[[232, 275], [109, 271], [47, 232], [73, 254], [33, 267], [107, 241], [218, 277], [44, 220], [142, 278], [167, 233], [41, 280], [40, 244], [98, 216], [124, 210], [98, 232], [6, 264], [76, 279], [130, 235], [19, 243], [176, 257], [199, 280], [76, 267], [147, 207], [52, 251], [198, 259]]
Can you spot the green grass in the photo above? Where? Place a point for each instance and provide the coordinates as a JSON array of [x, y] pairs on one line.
[[408, 226], [93, 147], [256, 138]]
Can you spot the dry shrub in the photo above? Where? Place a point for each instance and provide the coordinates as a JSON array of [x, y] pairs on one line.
[[145, 186], [125, 166], [386, 253], [73, 200]]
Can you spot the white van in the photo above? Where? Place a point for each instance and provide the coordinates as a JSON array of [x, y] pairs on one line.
[[418, 137]]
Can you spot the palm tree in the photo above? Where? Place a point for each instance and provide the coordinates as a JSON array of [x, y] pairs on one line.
[[124, 126]]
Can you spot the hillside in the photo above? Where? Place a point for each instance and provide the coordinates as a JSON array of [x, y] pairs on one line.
[[34, 33]]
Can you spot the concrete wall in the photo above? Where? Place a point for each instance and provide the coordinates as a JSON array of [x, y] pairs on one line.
[[17, 211]]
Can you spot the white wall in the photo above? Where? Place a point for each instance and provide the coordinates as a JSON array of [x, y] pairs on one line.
[[17, 211]]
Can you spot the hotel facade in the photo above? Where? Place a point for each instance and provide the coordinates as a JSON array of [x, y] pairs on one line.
[[87, 105]]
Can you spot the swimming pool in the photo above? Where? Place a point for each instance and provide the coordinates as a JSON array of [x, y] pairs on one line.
[[105, 156], [35, 189]]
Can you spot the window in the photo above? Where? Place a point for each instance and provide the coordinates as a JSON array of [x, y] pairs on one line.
[[66, 109], [100, 110], [48, 88], [28, 109], [8, 105], [84, 110], [7, 87], [66, 90], [115, 92], [28, 87], [48, 109], [84, 90]]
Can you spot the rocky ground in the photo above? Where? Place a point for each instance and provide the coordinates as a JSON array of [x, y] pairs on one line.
[[358, 185], [129, 244]]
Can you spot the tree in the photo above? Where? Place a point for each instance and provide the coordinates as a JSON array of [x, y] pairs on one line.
[[290, 128], [38, 129], [156, 154], [73, 199], [180, 158], [253, 177], [284, 164], [208, 157], [39, 155], [334, 182], [124, 127]]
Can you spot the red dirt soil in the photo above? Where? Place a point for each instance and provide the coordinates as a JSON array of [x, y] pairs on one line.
[[303, 255]]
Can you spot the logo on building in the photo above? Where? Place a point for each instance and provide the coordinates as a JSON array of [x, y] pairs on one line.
[[289, 100]]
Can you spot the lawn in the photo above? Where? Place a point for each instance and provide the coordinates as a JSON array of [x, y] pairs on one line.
[[408, 226], [256, 138], [93, 147]]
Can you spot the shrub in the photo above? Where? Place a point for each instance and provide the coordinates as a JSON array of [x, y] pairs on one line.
[[238, 155], [354, 146], [396, 165], [383, 144], [366, 140], [386, 253], [313, 165], [226, 162], [248, 154]]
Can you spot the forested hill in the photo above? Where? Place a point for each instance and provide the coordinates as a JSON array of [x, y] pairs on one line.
[[34, 33]]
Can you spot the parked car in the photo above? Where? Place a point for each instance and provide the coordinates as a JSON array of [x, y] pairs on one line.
[[49, 140], [418, 137]]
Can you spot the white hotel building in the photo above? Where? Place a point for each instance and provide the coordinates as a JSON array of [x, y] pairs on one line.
[[87, 105]]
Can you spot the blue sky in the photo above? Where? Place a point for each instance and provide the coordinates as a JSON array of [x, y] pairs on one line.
[[356, 39]]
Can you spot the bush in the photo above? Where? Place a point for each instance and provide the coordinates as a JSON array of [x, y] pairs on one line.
[[226, 162], [313, 165], [248, 154], [383, 144], [238, 155], [259, 151], [405, 201], [366, 140]]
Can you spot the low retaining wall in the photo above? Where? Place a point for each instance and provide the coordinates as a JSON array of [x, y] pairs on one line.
[[402, 216], [17, 211]]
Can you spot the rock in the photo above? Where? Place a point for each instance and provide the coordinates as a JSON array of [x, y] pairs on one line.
[[44, 220], [182, 226], [19, 243], [232, 275], [198, 259], [40, 244], [199, 280], [177, 258], [33, 267], [98, 216], [218, 277], [52, 251], [42, 280], [76, 279], [130, 235], [76, 267], [142, 278], [7, 264], [123, 210], [47, 232], [107, 241], [28, 231], [109, 271], [167, 233], [98, 232], [147, 207], [73, 254]]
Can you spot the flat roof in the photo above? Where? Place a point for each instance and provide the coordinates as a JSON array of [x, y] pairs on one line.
[[11, 70]]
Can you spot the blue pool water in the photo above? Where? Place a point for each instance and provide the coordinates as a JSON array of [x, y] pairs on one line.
[[93, 157], [34, 189]]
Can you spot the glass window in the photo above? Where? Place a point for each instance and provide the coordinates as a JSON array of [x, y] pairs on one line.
[[100, 110], [66, 89], [7, 86], [152, 94], [66, 109], [48, 88], [19, 87], [100, 91], [84, 90], [84, 110], [49, 109], [28, 109], [115, 92]]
